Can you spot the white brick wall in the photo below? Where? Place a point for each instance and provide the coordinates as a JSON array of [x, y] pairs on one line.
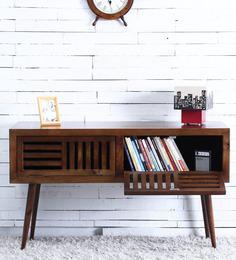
[[110, 72]]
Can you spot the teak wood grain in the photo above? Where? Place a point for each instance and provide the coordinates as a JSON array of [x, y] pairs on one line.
[[83, 135], [94, 153]]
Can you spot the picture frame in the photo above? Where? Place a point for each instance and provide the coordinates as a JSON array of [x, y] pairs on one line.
[[49, 111]]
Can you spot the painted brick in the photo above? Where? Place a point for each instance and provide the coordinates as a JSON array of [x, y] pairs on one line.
[[112, 72]]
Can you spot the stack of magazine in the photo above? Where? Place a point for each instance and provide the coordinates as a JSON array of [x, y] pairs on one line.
[[154, 154]]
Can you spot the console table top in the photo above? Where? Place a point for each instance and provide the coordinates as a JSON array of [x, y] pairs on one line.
[[118, 125]]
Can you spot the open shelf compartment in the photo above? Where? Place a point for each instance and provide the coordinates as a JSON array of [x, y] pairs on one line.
[[173, 183], [189, 144]]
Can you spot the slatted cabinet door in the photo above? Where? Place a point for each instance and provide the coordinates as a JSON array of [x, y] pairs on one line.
[[90, 155], [66, 156], [40, 154]]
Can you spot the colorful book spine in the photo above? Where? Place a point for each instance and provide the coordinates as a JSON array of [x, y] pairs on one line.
[[149, 166], [173, 152], [163, 153], [159, 155], [180, 157], [132, 153], [140, 153], [157, 168], [129, 158], [148, 154], [166, 155], [137, 155], [172, 161], [177, 156], [155, 154]]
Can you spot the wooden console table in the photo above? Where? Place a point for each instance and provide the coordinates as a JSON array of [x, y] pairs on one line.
[[94, 153]]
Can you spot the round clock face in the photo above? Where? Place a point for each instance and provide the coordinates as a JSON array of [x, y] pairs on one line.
[[110, 6], [110, 9]]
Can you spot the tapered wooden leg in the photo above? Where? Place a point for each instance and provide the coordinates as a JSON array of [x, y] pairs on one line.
[[35, 210], [211, 220], [205, 217], [28, 213]]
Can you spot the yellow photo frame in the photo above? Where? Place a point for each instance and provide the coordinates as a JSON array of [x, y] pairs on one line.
[[49, 111]]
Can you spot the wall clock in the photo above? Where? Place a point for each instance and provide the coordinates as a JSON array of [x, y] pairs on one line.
[[110, 9]]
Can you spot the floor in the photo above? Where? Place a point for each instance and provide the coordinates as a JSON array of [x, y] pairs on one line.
[[106, 247]]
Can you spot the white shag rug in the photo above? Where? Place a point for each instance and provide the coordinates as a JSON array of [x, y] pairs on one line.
[[117, 248]]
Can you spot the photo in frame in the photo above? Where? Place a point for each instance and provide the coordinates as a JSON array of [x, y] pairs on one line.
[[49, 111]]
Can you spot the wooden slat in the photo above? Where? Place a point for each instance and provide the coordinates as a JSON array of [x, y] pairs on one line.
[[95, 154], [226, 155], [80, 155], [42, 147], [112, 155], [151, 181], [73, 172], [64, 156], [143, 181], [197, 185], [168, 181], [42, 163], [104, 155], [127, 182], [195, 178], [135, 181], [159, 181], [68, 138], [72, 155], [40, 139], [199, 181], [13, 155], [20, 154], [88, 155], [176, 180], [119, 156], [131, 185], [41, 155], [222, 183], [202, 177]]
